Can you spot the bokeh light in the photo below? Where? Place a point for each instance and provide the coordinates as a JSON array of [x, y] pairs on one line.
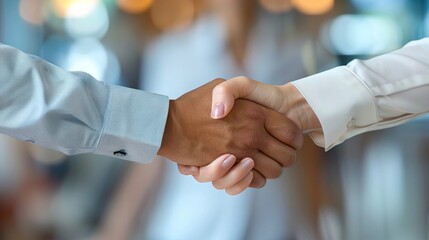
[[88, 55], [276, 6], [134, 6], [167, 14], [363, 35], [379, 5], [313, 7], [74, 8], [73, 55], [94, 24], [32, 11]]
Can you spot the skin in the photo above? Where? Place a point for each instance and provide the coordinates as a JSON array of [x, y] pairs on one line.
[[285, 99], [237, 16], [233, 177], [249, 130]]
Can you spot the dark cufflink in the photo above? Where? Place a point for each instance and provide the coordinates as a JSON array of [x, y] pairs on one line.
[[120, 153]]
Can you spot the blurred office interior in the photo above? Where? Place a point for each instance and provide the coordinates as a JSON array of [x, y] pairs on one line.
[[375, 186]]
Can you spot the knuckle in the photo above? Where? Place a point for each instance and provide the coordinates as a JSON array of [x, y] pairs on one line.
[[258, 182], [291, 133], [289, 159], [292, 136], [232, 191], [221, 88], [217, 185], [274, 173], [254, 113], [252, 140]]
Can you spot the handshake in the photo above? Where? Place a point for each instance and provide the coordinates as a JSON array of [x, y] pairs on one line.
[[236, 133]]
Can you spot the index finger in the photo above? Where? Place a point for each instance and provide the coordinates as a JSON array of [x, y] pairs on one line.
[[215, 170], [284, 129]]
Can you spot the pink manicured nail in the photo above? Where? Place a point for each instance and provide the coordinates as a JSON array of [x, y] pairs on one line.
[[190, 170], [247, 163], [228, 162], [193, 170], [218, 110]]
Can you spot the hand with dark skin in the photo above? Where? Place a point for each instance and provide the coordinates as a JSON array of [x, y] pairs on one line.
[[192, 137], [285, 99]]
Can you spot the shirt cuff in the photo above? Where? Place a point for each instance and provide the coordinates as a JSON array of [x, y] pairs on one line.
[[342, 103], [134, 124]]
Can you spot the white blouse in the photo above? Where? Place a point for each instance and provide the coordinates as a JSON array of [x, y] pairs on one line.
[[363, 96]]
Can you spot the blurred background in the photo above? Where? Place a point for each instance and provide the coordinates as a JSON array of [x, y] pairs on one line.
[[375, 186]]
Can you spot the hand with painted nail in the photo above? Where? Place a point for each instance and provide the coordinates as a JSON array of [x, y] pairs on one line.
[[225, 173], [285, 99], [193, 138]]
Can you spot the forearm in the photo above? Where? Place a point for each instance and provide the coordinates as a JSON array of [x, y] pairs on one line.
[[74, 113], [368, 95]]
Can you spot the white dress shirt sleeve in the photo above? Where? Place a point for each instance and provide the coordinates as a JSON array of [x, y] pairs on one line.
[[363, 96], [74, 113]]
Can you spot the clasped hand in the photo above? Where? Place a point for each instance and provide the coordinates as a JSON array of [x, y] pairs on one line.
[[219, 118]]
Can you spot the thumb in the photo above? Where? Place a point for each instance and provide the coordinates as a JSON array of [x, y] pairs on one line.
[[225, 94]]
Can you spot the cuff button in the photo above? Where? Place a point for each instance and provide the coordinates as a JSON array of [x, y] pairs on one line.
[[120, 153]]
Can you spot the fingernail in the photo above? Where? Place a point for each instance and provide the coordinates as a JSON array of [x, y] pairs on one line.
[[218, 110], [229, 161], [247, 163], [190, 170], [193, 170]]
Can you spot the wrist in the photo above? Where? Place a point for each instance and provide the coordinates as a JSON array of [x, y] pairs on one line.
[[298, 109], [167, 144]]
